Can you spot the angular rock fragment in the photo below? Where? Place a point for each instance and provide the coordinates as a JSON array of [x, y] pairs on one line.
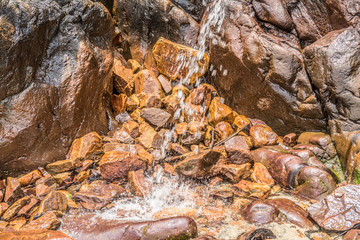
[[139, 184], [219, 112], [260, 174], [64, 165], [48, 220], [30, 178], [15, 208], [34, 235], [235, 172], [263, 135], [13, 190], [85, 147], [246, 188], [147, 82], [155, 116]]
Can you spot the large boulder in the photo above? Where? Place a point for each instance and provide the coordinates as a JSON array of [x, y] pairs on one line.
[[333, 63], [55, 71], [262, 76]]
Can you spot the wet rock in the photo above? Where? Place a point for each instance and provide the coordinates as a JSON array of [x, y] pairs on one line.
[[292, 212], [64, 178], [28, 207], [338, 211], [241, 122], [30, 178], [48, 220], [265, 76], [54, 201], [257, 234], [64, 165], [263, 135], [321, 140], [118, 103], [171, 228], [198, 165], [353, 234], [83, 175], [155, 116], [290, 139], [15, 208], [176, 212], [224, 129], [337, 86], [235, 172], [177, 149], [274, 12], [139, 184], [314, 183], [85, 147], [202, 95], [148, 135], [192, 138], [165, 83], [98, 194], [170, 58], [147, 82], [246, 188], [238, 150], [260, 174], [219, 112], [34, 235], [259, 212], [123, 136], [116, 165], [13, 190], [3, 207], [59, 91]]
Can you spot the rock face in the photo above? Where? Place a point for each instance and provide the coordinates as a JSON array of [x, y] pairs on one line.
[[338, 84], [55, 75], [261, 75], [339, 211], [143, 22]]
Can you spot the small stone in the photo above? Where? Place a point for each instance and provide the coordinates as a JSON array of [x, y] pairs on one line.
[[47, 221], [155, 116], [132, 128], [235, 172], [65, 177], [30, 178], [54, 201], [85, 147], [259, 212], [148, 135], [118, 103], [249, 189], [28, 207], [15, 208], [263, 135], [3, 207], [165, 83], [139, 184], [135, 65], [219, 112], [13, 190], [123, 136], [261, 175], [177, 149], [83, 175], [224, 129], [147, 82], [290, 139], [64, 165]]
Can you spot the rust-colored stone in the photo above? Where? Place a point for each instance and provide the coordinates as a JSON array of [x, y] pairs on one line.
[[15, 208], [246, 188], [85, 147], [263, 135], [139, 184], [260, 174], [30, 178], [34, 235], [48, 221], [224, 129], [219, 112]]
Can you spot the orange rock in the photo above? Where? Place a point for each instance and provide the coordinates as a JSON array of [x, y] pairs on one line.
[[118, 103], [196, 126], [64, 165], [219, 112], [124, 78], [17, 223], [139, 184], [202, 95], [165, 83], [170, 58], [224, 129], [13, 190], [54, 201], [155, 116], [213, 214], [175, 212], [47, 221], [181, 128], [85, 147], [83, 175], [241, 121], [34, 235], [3, 207], [27, 208], [290, 139], [261, 175], [147, 82], [30, 178], [263, 135], [135, 65], [132, 128], [123, 136], [235, 172], [15, 208], [250, 189]]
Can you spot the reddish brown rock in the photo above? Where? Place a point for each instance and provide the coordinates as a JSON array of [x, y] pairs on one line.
[[30, 178], [64, 178], [314, 183], [202, 95], [292, 212], [177, 149], [238, 150], [246, 188], [132, 128], [219, 112], [147, 136], [235, 173], [15, 208], [241, 122], [259, 212], [64, 165], [353, 234], [170, 58], [3, 207], [147, 82], [118, 103], [98, 194], [85, 147], [290, 139], [123, 76], [190, 138], [155, 116], [260, 174], [13, 190], [165, 83], [28, 207], [224, 129], [34, 235], [54, 201], [339, 210], [139, 184], [257, 234], [263, 135], [123, 136], [116, 165], [199, 165], [48, 220]]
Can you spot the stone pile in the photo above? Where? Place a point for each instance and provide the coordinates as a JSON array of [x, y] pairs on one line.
[[186, 132]]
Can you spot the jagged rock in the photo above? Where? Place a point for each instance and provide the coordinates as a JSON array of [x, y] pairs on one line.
[[64, 165], [147, 82], [198, 165], [13, 190], [235, 172], [259, 212], [257, 234], [261, 75], [202, 95], [139, 184], [238, 150], [116, 165], [170, 58], [48, 220], [224, 129], [98, 194], [337, 84], [123, 76], [219, 112], [246, 188], [123, 136], [63, 178], [28, 207], [155, 116], [263, 135], [30, 178], [165, 83], [339, 210], [118, 103], [353, 234], [15, 208], [3, 207], [260, 174], [34, 235], [59, 90], [85, 147], [54, 201]]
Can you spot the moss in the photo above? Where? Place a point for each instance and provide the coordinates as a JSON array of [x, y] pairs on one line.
[[357, 176]]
